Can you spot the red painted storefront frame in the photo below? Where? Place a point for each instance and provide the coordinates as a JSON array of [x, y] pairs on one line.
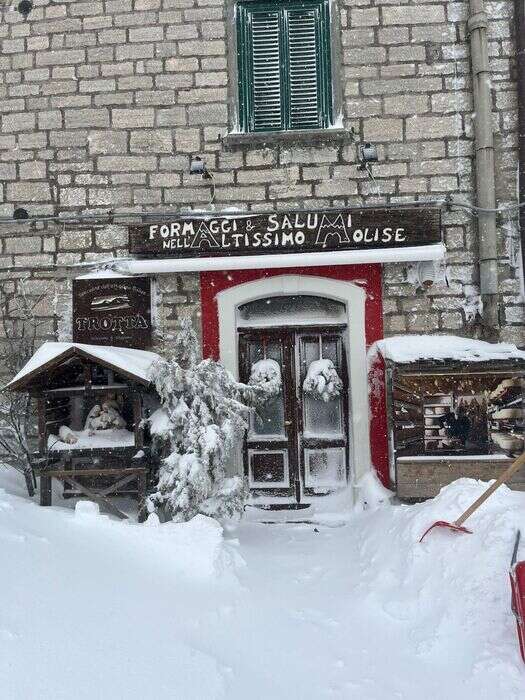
[[368, 277]]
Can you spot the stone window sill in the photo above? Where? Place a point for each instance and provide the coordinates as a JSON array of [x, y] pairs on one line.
[[306, 137]]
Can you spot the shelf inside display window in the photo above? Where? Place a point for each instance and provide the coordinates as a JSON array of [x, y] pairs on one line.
[[443, 414]]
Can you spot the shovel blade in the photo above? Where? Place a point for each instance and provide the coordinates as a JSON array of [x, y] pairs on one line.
[[444, 523]]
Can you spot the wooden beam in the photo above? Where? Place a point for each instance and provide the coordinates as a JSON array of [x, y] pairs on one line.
[[113, 488], [42, 431], [142, 490], [86, 368], [137, 420], [97, 497], [61, 473], [95, 388], [45, 490]]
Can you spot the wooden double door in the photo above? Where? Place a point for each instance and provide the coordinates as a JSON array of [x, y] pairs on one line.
[[297, 443]]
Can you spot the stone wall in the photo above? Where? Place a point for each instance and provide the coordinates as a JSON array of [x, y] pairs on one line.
[[102, 105]]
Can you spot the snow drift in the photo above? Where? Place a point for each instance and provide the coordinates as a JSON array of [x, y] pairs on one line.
[[356, 612]]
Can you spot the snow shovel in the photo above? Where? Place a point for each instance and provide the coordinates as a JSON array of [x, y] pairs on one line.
[[457, 525], [517, 585]]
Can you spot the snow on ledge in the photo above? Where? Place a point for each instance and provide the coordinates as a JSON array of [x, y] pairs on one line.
[[137, 362], [101, 439], [411, 348]]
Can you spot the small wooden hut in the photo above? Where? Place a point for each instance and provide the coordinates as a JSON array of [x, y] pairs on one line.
[[456, 408], [91, 401]]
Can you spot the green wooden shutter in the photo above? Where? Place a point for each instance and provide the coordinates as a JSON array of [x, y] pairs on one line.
[[266, 71], [303, 70], [284, 65]]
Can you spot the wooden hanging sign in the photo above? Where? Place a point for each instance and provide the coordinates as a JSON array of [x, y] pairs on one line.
[[113, 311], [225, 235]]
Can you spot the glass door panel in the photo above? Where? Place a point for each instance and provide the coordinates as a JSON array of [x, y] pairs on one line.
[[322, 413], [271, 452], [325, 468], [322, 419], [268, 420], [268, 468], [323, 391]]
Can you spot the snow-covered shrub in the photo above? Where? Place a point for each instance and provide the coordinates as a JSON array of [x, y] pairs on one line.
[[204, 412], [266, 374], [322, 380]]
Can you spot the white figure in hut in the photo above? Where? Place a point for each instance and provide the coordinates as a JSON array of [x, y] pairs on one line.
[[103, 420], [67, 435], [104, 417]]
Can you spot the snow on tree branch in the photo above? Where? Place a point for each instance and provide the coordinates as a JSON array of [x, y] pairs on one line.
[[204, 412]]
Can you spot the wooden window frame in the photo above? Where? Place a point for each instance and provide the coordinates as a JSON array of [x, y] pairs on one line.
[[284, 484], [244, 74]]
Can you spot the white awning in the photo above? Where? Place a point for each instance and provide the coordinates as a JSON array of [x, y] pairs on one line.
[[435, 251]]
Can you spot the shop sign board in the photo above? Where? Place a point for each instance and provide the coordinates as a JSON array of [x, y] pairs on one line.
[[113, 311], [225, 235]]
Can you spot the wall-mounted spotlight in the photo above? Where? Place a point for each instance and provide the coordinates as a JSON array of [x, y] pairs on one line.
[[425, 273], [20, 213], [366, 154], [198, 167], [25, 7]]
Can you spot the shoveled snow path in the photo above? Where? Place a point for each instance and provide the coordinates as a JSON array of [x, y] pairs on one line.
[[93, 608], [321, 631]]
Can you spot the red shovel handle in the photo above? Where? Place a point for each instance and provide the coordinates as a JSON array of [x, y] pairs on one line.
[[457, 525], [505, 476]]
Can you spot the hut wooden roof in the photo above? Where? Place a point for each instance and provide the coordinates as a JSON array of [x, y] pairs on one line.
[[129, 363], [406, 349]]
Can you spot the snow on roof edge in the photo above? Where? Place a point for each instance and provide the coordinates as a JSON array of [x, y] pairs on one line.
[[403, 349], [102, 274], [136, 362]]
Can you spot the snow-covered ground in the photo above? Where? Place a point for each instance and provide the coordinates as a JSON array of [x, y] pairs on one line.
[[349, 608]]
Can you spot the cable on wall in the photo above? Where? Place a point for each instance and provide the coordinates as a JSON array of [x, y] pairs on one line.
[[448, 202]]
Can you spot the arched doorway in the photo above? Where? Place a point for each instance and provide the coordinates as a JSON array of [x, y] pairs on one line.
[[300, 445]]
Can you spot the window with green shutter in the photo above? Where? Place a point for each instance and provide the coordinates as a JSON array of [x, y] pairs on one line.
[[283, 53]]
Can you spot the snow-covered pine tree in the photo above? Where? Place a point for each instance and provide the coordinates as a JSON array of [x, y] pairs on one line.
[[204, 410]]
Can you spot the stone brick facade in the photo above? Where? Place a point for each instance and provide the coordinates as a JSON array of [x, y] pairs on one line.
[[103, 103]]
